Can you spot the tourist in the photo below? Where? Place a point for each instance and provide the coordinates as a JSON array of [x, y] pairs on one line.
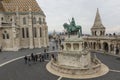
[[47, 55], [29, 61], [25, 58], [36, 57], [32, 56], [40, 57], [43, 58]]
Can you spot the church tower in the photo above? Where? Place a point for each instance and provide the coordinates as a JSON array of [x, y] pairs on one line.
[[98, 29]]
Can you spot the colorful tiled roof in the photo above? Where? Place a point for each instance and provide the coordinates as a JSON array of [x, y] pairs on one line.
[[20, 5]]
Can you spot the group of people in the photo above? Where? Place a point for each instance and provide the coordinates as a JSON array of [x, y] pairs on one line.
[[33, 58]]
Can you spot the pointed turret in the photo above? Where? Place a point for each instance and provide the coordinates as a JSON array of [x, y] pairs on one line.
[[98, 29], [98, 22]]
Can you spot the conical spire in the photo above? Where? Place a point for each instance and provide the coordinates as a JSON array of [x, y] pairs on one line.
[[98, 22]]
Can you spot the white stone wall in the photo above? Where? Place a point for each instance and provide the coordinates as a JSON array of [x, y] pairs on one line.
[[75, 60], [18, 42]]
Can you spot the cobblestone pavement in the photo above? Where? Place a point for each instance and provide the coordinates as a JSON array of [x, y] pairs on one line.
[[18, 70], [6, 56]]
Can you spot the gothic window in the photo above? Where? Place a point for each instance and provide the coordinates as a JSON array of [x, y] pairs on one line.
[[40, 32], [43, 21], [95, 33], [34, 20], [3, 36], [24, 20], [23, 33], [40, 22], [10, 19], [1, 18], [34, 32], [101, 33], [7, 36], [27, 32]]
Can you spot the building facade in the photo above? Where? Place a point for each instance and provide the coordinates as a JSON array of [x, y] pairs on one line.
[[99, 41], [22, 25]]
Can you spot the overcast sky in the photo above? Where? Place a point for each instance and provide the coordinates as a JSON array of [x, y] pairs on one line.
[[60, 11]]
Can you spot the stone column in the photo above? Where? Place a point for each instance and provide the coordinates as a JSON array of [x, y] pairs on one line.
[[102, 48], [80, 46], [109, 48], [72, 47], [64, 46], [115, 49], [30, 30], [119, 50], [0, 23], [13, 21], [39, 40]]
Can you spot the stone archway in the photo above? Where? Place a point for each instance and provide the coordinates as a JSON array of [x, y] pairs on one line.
[[68, 46], [94, 45], [85, 44], [105, 46], [99, 45], [117, 50], [111, 47]]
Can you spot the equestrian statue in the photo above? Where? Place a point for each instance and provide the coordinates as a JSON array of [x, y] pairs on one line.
[[72, 28]]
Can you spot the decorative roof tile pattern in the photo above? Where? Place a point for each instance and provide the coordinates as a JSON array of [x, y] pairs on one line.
[[21, 5]]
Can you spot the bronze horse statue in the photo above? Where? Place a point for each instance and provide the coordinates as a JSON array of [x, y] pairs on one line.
[[73, 28]]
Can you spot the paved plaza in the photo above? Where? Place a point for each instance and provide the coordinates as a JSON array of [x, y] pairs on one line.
[[18, 70]]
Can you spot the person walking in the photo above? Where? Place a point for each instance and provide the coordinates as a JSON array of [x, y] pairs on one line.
[[25, 58], [29, 61], [40, 57], [32, 56], [36, 58], [43, 58]]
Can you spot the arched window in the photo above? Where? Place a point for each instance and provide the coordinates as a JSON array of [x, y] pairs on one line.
[[5, 35], [43, 20], [10, 19], [101, 33], [40, 32], [27, 32], [1, 18], [23, 33], [95, 33], [34, 20], [24, 20], [40, 22], [34, 32]]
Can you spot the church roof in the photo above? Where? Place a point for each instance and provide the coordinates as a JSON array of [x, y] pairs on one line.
[[20, 5], [98, 22]]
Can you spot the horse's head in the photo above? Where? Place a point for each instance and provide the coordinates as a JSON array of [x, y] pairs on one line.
[[65, 25]]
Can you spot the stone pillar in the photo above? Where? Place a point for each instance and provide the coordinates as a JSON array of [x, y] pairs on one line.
[[39, 40], [109, 48], [102, 48], [119, 50], [0, 23], [13, 21], [115, 49], [72, 47], [80, 46], [64, 46], [30, 29]]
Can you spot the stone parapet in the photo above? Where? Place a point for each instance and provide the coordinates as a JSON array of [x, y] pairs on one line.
[[75, 70]]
